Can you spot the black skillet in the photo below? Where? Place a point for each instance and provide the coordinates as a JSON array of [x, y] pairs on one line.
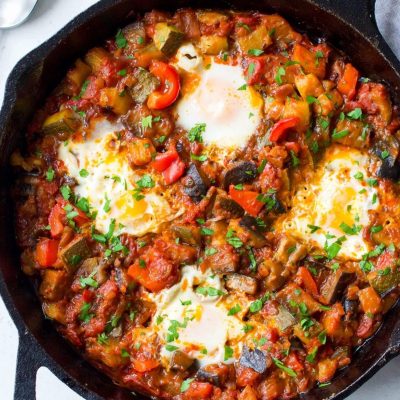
[[347, 24]]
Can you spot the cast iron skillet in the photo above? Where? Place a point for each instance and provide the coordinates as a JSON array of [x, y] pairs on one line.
[[347, 24]]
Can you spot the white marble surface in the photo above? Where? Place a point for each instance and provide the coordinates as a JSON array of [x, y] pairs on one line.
[[48, 17]]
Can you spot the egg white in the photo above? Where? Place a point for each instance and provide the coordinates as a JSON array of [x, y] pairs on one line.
[[208, 327], [216, 94], [111, 178], [334, 196]]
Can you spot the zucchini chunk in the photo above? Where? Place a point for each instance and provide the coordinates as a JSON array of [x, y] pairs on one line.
[[167, 38], [111, 98], [64, 121], [75, 252]]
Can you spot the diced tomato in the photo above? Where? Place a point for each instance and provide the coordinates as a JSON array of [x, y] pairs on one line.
[[154, 272], [174, 171], [308, 281], [60, 213], [292, 361], [87, 295], [365, 328], [247, 199], [164, 160], [370, 301], [46, 252], [347, 84], [293, 146], [199, 391], [279, 129], [170, 86], [255, 69], [144, 365], [245, 375], [386, 260], [331, 319], [56, 220]]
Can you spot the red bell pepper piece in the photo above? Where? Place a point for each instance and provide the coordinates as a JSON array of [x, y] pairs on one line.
[[308, 281], [164, 160], [56, 220], [170, 164], [174, 171], [169, 89], [255, 69], [347, 84], [247, 199], [46, 252], [279, 129]]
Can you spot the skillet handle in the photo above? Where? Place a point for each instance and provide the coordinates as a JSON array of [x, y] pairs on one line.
[[360, 14], [28, 363]]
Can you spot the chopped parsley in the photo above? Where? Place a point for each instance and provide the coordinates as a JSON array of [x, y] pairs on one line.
[[195, 134], [50, 174], [313, 228], [350, 230], [84, 314], [385, 154], [83, 173], [376, 228], [186, 384], [107, 204], [278, 77], [251, 69], [147, 122], [206, 231], [255, 52], [210, 251], [333, 249], [235, 309], [340, 134], [228, 353], [65, 192], [209, 291], [120, 40], [355, 114], [283, 367], [233, 240]]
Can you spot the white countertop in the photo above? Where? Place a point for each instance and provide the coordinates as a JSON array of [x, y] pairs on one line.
[[48, 17]]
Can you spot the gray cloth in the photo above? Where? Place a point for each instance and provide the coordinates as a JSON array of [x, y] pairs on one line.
[[387, 14]]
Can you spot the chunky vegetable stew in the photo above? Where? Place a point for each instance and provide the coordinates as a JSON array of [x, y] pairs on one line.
[[209, 204]]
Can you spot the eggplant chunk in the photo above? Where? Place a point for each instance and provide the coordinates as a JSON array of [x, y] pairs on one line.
[[256, 238], [255, 359], [388, 151], [334, 285], [243, 172], [284, 319], [75, 252], [196, 183], [54, 283], [216, 374], [350, 308], [189, 234], [241, 283], [145, 84], [224, 207], [180, 361]]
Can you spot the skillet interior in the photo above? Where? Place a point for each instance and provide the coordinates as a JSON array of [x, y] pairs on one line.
[[28, 85]]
